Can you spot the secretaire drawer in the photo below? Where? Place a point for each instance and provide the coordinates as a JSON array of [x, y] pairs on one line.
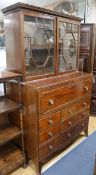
[[49, 121], [49, 133], [59, 97]]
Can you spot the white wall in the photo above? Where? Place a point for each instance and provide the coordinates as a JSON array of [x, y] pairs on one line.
[[90, 11]]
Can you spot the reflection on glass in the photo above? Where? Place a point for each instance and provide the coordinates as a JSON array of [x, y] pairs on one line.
[[68, 41], [38, 45]]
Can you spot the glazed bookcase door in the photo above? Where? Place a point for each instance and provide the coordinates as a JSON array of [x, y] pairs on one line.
[[68, 41], [39, 44]]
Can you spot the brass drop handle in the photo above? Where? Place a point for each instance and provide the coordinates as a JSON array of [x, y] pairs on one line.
[[50, 134], [69, 135], [83, 124], [86, 88], [50, 101], [70, 123], [70, 112], [84, 104], [50, 147], [50, 121]]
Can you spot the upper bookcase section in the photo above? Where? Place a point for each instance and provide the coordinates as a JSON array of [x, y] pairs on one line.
[[40, 42]]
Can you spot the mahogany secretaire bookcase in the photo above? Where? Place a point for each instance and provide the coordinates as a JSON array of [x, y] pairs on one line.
[[43, 46]]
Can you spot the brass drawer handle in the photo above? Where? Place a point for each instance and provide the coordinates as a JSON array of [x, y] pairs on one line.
[[50, 102], [51, 147], [70, 123], [50, 121], [84, 104], [83, 124], [70, 112], [50, 134], [84, 114], [86, 88], [69, 135]]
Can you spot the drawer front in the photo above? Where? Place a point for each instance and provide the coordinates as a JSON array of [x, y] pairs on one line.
[[49, 121], [72, 132], [49, 148], [70, 122], [75, 107], [49, 133], [52, 146], [56, 98]]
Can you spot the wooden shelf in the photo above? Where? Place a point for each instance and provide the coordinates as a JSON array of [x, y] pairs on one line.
[[11, 158], [7, 105], [7, 133], [5, 76]]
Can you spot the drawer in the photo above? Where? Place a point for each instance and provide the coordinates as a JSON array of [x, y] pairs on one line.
[[70, 122], [75, 107], [49, 148], [49, 121], [49, 133], [86, 101], [54, 99], [72, 132]]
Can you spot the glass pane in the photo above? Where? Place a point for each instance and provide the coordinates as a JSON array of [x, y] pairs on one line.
[[38, 45], [68, 42]]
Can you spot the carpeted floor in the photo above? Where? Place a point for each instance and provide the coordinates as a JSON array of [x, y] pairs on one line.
[[79, 161]]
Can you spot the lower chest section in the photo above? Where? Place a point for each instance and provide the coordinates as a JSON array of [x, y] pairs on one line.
[[58, 129]]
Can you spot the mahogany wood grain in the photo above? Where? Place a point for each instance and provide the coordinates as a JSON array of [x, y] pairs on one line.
[[51, 120], [50, 147], [8, 133], [64, 95], [71, 132], [47, 100], [71, 121], [7, 105], [11, 158], [36, 124], [75, 107], [49, 133], [15, 36]]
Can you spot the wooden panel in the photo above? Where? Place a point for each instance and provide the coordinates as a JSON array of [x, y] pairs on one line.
[[49, 121], [13, 39], [13, 91], [59, 97], [7, 105], [10, 159], [8, 132], [49, 133]]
